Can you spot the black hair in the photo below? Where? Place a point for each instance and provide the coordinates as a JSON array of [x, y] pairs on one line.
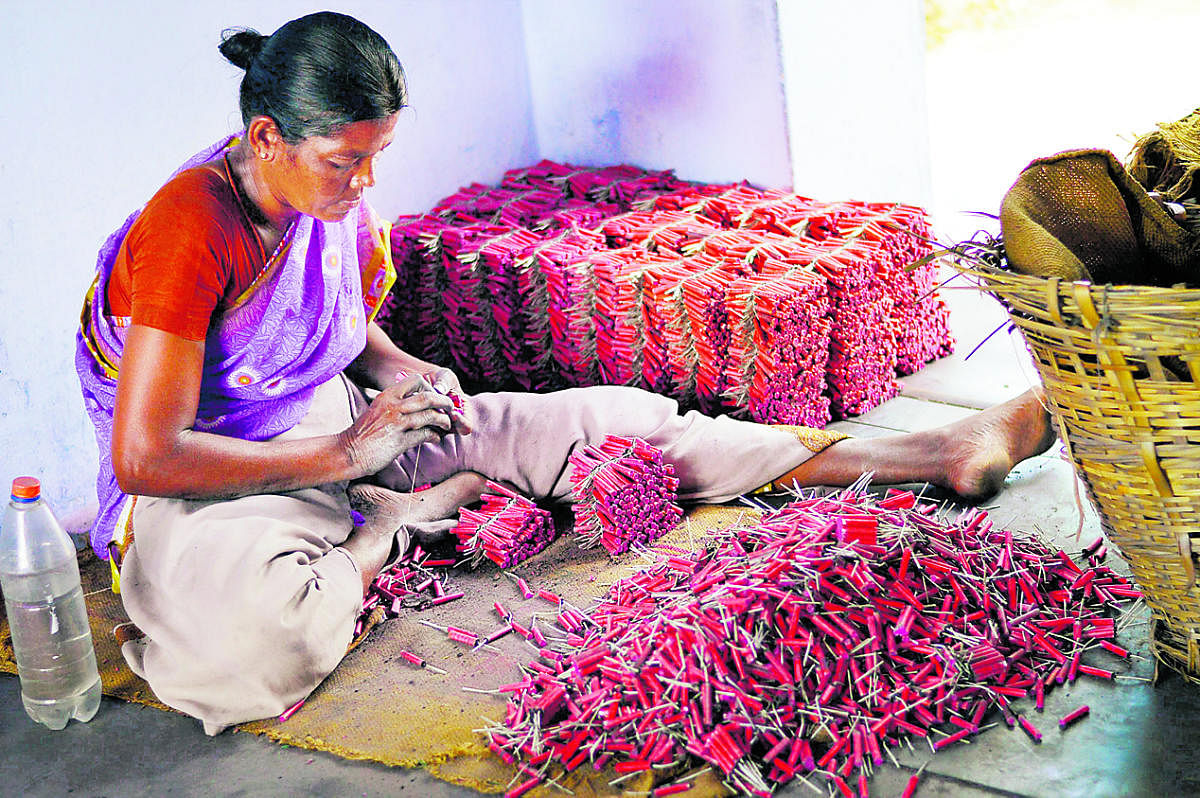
[[316, 74]]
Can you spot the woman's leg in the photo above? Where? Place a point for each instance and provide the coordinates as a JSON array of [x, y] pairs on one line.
[[248, 604], [525, 439], [970, 457]]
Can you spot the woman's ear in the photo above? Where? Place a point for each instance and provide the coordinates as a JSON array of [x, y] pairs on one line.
[[264, 138]]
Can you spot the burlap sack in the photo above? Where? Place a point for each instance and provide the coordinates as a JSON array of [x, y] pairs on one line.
[[1080, 215]]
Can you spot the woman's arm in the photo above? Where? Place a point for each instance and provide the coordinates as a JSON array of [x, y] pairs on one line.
[[157, 453], [381, 360]]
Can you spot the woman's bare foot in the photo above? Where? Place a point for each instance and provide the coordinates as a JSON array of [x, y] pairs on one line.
[[981, 450], [970, 457], [392, 509], [386, 511]]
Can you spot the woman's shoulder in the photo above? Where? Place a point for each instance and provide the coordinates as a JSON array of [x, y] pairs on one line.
[[202, 189], [187, 250], [197, 202]]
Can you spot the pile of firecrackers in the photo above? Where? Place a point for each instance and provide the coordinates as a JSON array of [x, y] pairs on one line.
[[623, 494], [728, 298], [804, 646], [809, 645]]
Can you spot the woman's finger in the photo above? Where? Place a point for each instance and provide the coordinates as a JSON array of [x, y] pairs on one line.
[[410, 399], [462, 417], [436, 419], [444, 381], [411, 383]]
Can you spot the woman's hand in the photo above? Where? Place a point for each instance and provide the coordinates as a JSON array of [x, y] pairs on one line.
[[406, 414], [445, 381]]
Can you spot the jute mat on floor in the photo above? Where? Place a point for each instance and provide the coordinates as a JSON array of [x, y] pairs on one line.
[[375, 706]]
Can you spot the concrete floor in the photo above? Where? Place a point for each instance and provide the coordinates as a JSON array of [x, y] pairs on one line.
[[1140, 739]]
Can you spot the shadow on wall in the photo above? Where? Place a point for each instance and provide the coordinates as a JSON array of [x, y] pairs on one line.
[[660, 85], [638, 100]]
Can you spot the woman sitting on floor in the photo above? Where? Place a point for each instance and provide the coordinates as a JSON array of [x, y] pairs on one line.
[[224, 350]]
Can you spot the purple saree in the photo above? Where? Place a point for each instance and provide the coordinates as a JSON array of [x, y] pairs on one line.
[[302, 321]]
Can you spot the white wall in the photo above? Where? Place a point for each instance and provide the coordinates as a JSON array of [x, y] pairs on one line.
[[856, 99], [695, 86], [101, 101]]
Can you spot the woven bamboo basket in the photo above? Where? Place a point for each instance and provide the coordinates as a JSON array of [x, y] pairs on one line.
[[1121, 370]]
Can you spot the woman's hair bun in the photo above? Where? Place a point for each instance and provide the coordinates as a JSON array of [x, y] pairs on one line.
[[315, 74], [240, 46]]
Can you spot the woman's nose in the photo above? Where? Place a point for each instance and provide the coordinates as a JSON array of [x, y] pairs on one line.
[[365, 177]]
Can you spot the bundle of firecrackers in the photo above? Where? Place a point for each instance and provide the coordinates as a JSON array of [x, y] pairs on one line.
[[623, 494], [565, 276], [412, 312], [624, 497], [507, 529], [809, 645], [616, 303], [780, 340]]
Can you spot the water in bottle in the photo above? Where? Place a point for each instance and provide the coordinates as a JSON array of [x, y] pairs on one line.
[[39, 576]]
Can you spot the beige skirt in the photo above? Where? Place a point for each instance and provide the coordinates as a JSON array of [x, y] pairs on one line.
[[247, 604]]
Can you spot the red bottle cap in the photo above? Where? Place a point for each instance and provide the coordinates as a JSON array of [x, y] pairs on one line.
[[26, 488]]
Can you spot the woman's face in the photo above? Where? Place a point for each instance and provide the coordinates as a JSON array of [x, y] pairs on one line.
[[324, 176]]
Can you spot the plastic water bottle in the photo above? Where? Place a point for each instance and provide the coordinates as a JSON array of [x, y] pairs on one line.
[[51, 638]]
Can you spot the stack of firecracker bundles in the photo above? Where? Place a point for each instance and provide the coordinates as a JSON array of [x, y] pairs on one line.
[[729, 298]]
